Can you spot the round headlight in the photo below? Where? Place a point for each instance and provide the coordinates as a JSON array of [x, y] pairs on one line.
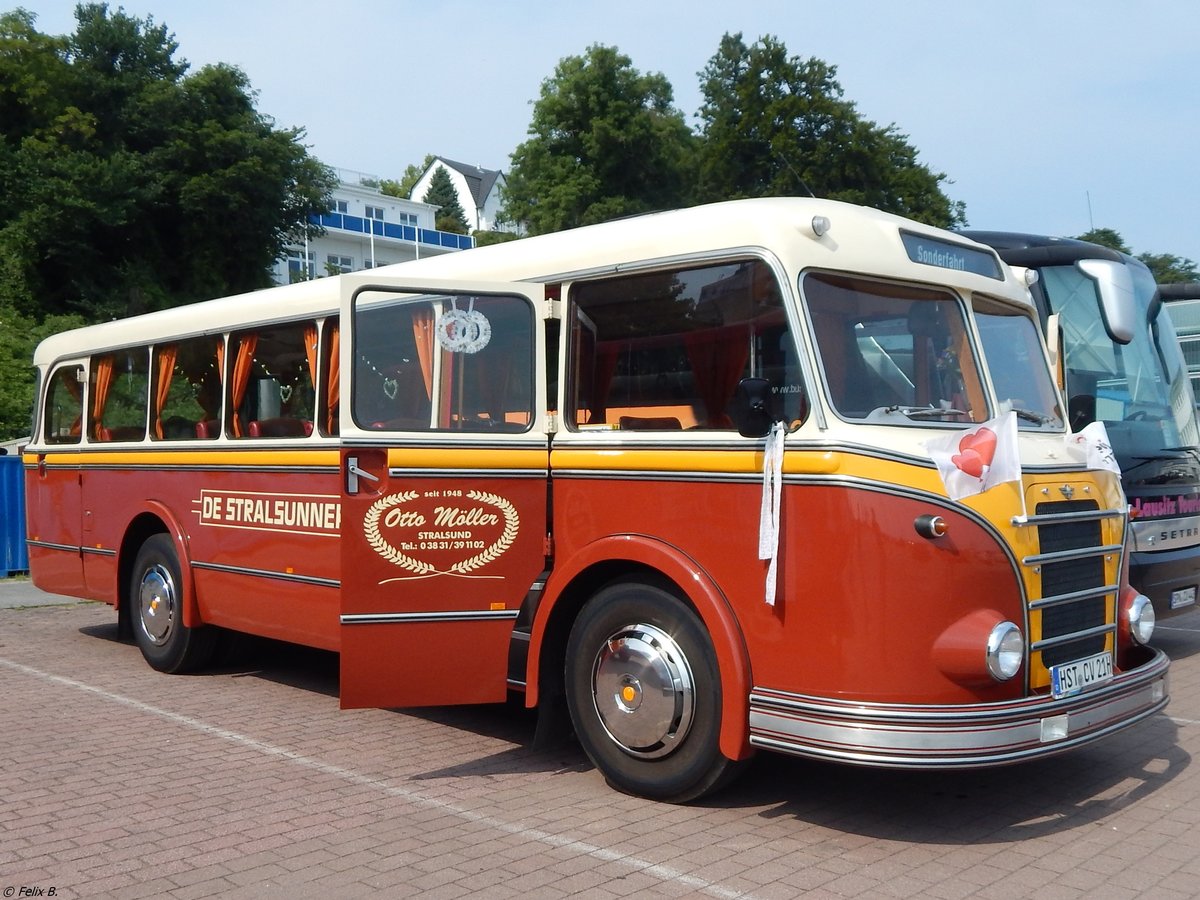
[[1005, 651], [1141, 619]]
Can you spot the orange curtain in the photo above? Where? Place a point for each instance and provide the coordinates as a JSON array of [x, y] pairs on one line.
[[100, 385], [422, 319], [310, 350], [247, 344], [164, 371], [717, 357], [334, 384]]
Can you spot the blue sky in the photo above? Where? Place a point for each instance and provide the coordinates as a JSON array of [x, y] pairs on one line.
[[1047, 116]]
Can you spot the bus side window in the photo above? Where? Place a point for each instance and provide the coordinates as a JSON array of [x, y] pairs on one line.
[[665, 351], [270, 390], [118, 396], [445, 363], [64, 406], [187, 389]]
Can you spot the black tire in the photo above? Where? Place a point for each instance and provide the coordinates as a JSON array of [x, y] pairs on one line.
[[645, 694], [156, 611]]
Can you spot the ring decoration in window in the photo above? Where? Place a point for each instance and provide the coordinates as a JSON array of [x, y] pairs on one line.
[[463, 331]]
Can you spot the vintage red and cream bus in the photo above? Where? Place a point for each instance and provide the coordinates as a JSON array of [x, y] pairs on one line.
[[673, 477]]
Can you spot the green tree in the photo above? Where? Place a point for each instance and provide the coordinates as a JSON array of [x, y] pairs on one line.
[[441, 193], [605, 141], [774, 124], [1106, 237], [403, 187], [1170, 269], [130, 184], [19, 335]]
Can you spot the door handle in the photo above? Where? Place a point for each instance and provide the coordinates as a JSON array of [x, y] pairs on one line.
[[353, 473]]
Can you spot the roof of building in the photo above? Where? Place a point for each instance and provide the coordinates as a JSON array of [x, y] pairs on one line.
[[479, 180]]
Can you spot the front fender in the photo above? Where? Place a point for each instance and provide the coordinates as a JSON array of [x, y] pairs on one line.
[[700, 590]]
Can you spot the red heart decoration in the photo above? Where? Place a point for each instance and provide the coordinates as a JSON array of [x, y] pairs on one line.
[[976, 451], [970, 462]]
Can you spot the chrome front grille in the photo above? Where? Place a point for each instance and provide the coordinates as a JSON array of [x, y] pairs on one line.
[[1075, 612]]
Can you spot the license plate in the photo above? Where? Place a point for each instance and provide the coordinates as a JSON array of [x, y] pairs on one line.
[[1183, 597], [1073, 677]]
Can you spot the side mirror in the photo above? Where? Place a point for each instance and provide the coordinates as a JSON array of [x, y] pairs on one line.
[[1117, 305], [751, 409]]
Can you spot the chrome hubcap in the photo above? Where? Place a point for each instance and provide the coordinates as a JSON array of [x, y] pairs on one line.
[[157, 604], [643, 690]]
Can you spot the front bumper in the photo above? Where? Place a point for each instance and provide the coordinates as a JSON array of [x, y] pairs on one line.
[[913, 736]]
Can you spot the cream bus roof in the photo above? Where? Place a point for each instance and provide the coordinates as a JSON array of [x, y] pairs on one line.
[[859, 239]]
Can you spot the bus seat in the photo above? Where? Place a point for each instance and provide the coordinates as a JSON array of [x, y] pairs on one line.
[[283, 426], [122, 433], [649, 423], [178, 428], [208, 429]]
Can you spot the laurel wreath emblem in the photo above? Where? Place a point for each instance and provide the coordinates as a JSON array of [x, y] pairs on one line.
[[512, 523], [380, 544]]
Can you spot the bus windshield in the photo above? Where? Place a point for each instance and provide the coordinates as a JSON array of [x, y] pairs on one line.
[[1013, 349], [894, 353], [1140, 389]]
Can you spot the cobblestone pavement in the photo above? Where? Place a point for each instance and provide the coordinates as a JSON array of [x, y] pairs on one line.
[[116, 781]]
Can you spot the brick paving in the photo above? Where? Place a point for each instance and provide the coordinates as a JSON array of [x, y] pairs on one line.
[[248, 781]]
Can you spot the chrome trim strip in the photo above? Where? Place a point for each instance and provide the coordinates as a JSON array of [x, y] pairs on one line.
[[48, 545], [1066, 555], [954, 736], [1073, 636], [466, 615], [1087, 594], [208, 467], [1057, 518], [667, 475], [267, 573], [98, 551], [403, 472]]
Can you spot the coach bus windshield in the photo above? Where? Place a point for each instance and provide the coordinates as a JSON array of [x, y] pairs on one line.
[[1139, 389], [1013, 349], [892, 353]]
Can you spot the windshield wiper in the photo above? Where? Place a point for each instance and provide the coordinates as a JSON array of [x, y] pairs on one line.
[[925, 412], [1030, 416]]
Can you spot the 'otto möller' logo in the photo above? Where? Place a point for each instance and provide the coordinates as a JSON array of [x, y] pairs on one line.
[[449, 532]]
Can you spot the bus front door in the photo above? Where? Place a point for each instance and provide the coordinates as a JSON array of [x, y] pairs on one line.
[[444, 469]]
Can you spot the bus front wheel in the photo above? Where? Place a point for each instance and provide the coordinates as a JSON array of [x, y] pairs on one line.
[[156, 608], [644, 693]]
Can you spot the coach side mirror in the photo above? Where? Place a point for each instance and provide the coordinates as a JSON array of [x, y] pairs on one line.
[[1118, 305], [751, 408]]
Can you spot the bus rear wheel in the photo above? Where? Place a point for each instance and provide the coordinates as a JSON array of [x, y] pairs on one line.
[[156, 609], [644, 694]]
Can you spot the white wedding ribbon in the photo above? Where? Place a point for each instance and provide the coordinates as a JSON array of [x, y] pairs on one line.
[[772, 497]]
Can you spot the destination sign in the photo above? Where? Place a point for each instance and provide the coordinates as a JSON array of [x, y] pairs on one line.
[[930, 251]]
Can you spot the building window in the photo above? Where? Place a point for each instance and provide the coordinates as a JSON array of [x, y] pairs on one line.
[[341, 206], [374, 212], [336, 265], [301, 266], [408, 219]]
